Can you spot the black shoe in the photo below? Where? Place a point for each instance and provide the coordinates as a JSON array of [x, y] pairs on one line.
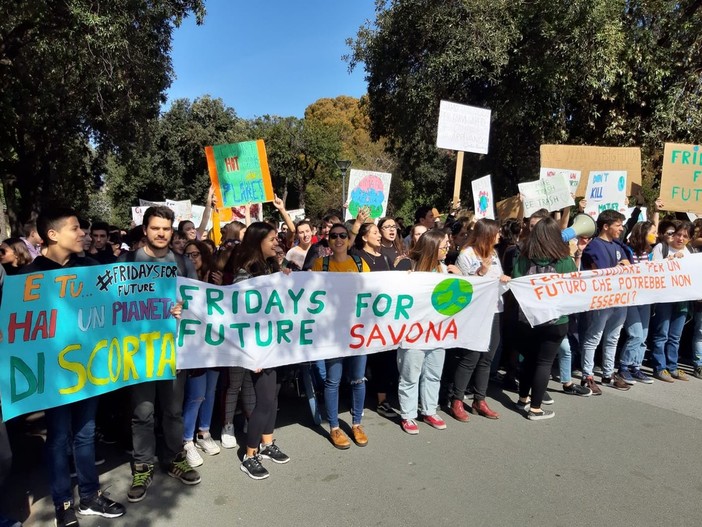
[[252, 466], [273, 453], [66, 516], [142, 476], [547, 398], [101, 505], [575, 389], [180, 469]]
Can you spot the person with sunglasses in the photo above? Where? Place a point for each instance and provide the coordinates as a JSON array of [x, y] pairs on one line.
[[341, 261]]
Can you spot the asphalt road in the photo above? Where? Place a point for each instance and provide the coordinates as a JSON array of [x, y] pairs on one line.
[[621, 458]]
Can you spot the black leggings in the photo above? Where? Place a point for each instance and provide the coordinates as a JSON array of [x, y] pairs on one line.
[[5, 453], [262, 419], [539, 347], [383, 369]]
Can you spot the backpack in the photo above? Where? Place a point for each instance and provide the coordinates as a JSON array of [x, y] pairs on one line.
[[357, 260], [179, 261], [535, 268]]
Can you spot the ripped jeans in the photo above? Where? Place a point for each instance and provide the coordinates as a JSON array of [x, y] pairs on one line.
[[356, 372]]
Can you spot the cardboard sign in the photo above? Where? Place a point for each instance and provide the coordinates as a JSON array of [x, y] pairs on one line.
[[604, 191], [464, 128], [681, 182], [482, 198], [510, 208], [368, 189], [588, 159], [572, 176], [239, 173], [552, 193]]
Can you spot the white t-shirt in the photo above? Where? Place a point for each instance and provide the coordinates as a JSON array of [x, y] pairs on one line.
[[297, 255], [658, 251], [469, 263]]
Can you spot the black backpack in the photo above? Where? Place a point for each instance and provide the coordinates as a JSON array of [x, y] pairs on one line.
[[535, 268]]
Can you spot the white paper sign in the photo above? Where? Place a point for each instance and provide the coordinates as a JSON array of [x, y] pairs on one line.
[[182, 209], [552, 193], [573, 176], [464, 128], [138, 214], [297, 215], [368, 189], [482, 198], [642, 215], [606, 190]]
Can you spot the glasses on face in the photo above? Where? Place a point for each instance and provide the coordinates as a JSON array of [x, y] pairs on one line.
[[193, 255], [389, 227], [335, 235]]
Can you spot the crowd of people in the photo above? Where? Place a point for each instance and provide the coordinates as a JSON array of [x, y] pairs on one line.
[[423, 380]]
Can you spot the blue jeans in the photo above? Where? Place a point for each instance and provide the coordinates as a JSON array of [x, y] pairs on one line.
[[199, 398], [601, 324], [697, 340], [356, 372], [420, 379], [565, 361], [71, 428], [668, 323], [636, 327]]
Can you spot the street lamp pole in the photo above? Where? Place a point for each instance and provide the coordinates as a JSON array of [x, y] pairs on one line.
[[344, 167]]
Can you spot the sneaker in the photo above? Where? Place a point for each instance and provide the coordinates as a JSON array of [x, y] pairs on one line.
[[698, 372], [410, 426], [626, 376], [180, 469], [273, 453], [523, 406], [679, 375], [359, 435], [575, 389], [589, 382], [192, 456], [434, 421], [385, 410], [101, 505], [227, 438], [66, 516], [641, 376], [207, 444], [540, 416], [252, 466], [616, 382], [142, 476], [664, 376], [547, 398]]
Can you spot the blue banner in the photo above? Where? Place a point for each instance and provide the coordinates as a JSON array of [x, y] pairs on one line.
[[76, 333]]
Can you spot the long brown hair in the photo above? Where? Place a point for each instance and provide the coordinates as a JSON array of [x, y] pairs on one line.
[[205, 256], [398, 244], [545, 242], [248, 255], [425, 252], [637, 239], [482, 237]]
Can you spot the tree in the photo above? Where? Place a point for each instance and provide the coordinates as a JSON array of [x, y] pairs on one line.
[[75, 73], [598, 72]]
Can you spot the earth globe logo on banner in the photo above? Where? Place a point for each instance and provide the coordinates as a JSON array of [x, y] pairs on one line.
[[451, 296]]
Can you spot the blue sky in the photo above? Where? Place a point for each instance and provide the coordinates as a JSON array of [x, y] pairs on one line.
[[269, 57]]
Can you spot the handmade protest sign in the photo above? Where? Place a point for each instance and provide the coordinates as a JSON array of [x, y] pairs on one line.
[[276, 319], [368, 189], [239, 173], [605, 191], [510, 208], [588, 159], [138, 215], [79, 332], [681, 181], [482, 198], [551, 193], [546, 297], [182, 209], [572, 176], [464, 128]]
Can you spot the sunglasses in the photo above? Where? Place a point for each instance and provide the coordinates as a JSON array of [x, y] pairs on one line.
[[669, 233], [335, 235], [193, 255]]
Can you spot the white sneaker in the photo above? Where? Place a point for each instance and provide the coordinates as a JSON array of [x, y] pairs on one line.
[[192, 456], [228, 438], [207, 444]]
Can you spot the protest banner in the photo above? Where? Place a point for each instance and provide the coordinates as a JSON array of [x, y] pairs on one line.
[[546, 297], [552, 193], [146, 203], [368, 189], [138, 214], [282, 319], [605, 191], [588, 159], [79, 332], [182, 209], [510, 208], [681, 181], [296, 215], [572, 176], [239, 173], [463, 128], [482, 198]]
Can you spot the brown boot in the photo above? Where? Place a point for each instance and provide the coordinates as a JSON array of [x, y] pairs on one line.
[[458, 411], [483, 409]]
